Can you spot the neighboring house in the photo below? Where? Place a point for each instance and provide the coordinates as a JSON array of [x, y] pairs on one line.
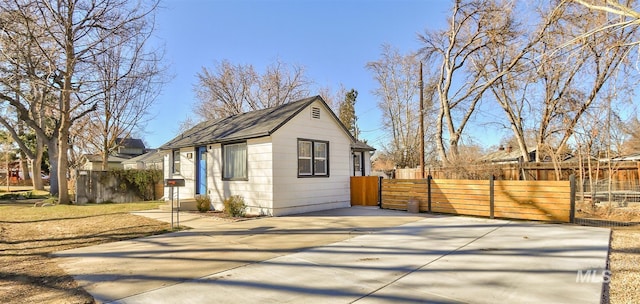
[[150, 160], [628, 157], [127, 148], [288, 159], [506, 155], [93, 162]]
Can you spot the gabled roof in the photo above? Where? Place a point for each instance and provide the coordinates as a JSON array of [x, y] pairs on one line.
[[132, 143], [627, 157], [244, 126], [152, 156], [504, 155], [96, 158]]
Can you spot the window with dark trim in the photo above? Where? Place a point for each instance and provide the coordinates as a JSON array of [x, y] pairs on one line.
[[356, 162], [234, 161], [176, 162], [313, 158]]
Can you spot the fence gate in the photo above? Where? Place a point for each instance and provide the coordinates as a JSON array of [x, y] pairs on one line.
[[364, 190]]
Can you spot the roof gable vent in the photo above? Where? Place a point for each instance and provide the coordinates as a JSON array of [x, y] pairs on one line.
[[315, 112]]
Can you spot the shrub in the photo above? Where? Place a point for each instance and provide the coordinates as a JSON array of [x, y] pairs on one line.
[[142, 181], [203, 203], [235, 206]]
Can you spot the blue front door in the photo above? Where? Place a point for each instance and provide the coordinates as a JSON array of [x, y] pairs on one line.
[[201, 170]]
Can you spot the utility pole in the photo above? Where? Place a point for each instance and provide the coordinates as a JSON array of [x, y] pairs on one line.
[[421, 124]]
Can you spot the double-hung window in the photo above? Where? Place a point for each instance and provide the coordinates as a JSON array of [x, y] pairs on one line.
[[176, 162], [313, 158], [234, 165]]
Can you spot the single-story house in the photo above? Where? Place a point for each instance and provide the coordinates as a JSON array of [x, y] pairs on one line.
[[626, 157], [153, 159], [126, 148], [293, 158], [507, 155], [93, 162]]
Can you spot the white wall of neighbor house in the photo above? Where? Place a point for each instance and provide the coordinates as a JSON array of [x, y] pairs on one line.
[[293, 194], [133, 165], [257, 190]]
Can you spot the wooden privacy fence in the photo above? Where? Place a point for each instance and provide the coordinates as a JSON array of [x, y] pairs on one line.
[[528, 200], [364, 190]]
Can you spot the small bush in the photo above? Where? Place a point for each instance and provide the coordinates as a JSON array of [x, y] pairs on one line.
[[235, 206], [203, 203]]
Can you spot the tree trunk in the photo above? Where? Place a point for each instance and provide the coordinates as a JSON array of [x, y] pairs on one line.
[[439, 135], [36, 164], [24, 166], [63, 161], [52, 147]]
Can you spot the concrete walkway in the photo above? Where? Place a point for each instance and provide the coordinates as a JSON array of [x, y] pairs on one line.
[[347, 255]]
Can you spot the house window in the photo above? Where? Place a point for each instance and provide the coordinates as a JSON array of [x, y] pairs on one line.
[[234, 165], [176, 161], [313, 158]]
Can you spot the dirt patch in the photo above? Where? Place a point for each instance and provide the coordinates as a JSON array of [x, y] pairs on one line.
[[219, 215]]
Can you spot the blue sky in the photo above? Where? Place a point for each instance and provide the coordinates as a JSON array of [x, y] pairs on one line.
[[333, 40]]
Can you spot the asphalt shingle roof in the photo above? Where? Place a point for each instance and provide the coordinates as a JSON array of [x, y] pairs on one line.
[[134, 143], [239, 127], [361, 146], [151, 156]]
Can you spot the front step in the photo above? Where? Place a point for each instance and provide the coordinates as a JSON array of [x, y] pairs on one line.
[[188, 204]]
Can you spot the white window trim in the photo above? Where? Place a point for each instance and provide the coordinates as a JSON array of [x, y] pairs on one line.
[[175, 161], [245, 176]]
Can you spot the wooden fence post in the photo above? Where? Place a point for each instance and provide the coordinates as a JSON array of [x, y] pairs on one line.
[[572, 209], [380, 192], [429, 178], [491, 196]]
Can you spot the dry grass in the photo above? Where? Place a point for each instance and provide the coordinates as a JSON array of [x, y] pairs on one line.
[[28, 235], [610, 212]]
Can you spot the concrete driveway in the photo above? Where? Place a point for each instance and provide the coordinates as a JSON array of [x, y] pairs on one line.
[[348, 255]]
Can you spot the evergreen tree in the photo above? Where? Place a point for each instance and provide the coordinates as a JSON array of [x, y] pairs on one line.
[[347, 112]]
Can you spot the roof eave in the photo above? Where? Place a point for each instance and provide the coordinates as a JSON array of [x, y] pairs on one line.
[[218, 141]]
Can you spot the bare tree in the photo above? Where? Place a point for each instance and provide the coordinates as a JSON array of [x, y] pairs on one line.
[[477, 28], [70, 35], [332, 97], [281, 83], [398, 99], [26, 88], [631, 142], [230, 89], [614, 7], [131, 79], [574, 76], [513, 53]]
